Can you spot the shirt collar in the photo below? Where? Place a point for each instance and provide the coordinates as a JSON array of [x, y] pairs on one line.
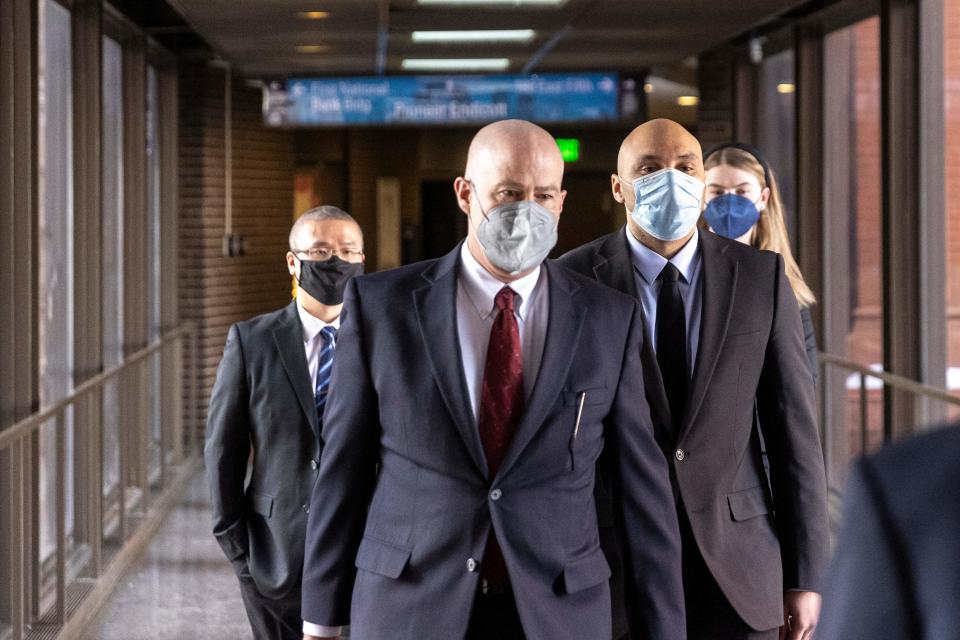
[[481, 287], [649, 263], [312, 325]]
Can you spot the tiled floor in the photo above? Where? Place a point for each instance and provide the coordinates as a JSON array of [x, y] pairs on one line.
[[181, 588]]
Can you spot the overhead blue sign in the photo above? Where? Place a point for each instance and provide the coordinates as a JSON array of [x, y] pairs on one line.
[[418, 100]]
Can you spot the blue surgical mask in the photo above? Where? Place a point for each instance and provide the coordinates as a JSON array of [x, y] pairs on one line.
[[667, 203], [517, 236], [731, 215]]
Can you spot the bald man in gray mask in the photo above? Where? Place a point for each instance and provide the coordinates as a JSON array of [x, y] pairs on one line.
[[484, 386]]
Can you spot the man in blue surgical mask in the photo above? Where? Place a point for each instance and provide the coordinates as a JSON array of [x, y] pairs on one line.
[[724, 340], [455, 497]]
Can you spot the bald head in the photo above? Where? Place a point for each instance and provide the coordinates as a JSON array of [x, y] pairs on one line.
[[518, 143], [508, 161], [659, 144]]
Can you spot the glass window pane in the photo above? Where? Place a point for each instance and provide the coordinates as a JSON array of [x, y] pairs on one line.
[[153, 251], [55, 204], [852, 201], [776, 114], [952, 174], [112, 253]]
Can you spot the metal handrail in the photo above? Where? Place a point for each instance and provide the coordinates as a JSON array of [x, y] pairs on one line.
[[892, 379], [35, 421], [19, 468]]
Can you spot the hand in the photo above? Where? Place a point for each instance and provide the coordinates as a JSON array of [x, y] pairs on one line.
[[801, 610], [309, 637]]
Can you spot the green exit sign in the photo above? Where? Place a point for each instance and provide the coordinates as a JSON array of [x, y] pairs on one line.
[[569, 149]]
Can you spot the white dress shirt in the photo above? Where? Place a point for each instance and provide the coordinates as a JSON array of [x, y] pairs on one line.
[[647, 265], [312, 346], [476, 291]]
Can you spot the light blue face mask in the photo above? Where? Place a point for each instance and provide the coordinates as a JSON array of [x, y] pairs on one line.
[[517, 236], [667, 203]]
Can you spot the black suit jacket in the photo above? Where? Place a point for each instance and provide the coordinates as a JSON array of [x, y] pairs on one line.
[[757, 538], [896, 573], [395, 554], [263, 399]]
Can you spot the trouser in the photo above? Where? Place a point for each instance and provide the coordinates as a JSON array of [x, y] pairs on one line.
[[270, 618], [710, 615], [495, 617]]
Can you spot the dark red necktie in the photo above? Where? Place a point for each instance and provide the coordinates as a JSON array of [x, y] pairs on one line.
[[501, 407]]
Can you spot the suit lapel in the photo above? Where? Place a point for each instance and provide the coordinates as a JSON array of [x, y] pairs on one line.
[[614, 268], [563, 332], [436, 309], [288, 336], [718, 287]]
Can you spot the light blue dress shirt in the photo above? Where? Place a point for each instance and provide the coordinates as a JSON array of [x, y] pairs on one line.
[[647, 265]]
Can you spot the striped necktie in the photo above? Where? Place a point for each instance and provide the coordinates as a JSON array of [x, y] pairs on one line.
[[324, 368]]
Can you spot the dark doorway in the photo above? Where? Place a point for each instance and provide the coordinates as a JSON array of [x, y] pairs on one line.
[[444, 225]]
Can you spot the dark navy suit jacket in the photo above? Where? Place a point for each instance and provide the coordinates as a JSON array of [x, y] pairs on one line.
[[404, 501], [896, 574]]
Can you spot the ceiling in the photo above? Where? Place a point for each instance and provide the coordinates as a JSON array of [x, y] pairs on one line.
[[361, 37]]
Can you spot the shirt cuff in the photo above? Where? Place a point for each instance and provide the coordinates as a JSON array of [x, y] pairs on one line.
[[320, 631]]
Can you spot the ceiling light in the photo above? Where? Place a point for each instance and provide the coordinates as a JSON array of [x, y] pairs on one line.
[[688, 101], [312, 48], [515, 3], [314, 15], [648, 87], [455, 64], [786, 87], [489, 35]]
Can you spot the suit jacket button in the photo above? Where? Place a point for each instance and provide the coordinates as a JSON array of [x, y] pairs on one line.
[[314, 465], [306, 509], [471, 565], [680, 455], [495, 494]]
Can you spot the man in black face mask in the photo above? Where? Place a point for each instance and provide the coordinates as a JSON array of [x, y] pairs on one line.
[[268, 400]]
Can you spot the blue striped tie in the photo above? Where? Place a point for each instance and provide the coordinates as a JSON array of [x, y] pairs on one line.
[[324, 368]]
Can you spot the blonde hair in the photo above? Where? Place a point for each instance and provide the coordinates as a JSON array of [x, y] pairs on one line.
[[770, 232]]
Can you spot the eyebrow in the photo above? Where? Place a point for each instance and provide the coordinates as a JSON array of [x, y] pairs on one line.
[[520, 187], [742, 184]]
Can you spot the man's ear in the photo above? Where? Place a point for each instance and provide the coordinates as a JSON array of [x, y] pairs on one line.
[[616, 186], [291, 264], [463, 190]]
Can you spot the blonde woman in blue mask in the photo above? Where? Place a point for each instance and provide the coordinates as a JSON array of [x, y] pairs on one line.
[[743, 203]]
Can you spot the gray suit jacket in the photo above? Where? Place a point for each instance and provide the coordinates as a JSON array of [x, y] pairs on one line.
[[263, 399], [756, 541], [896, 574], [396, 554]]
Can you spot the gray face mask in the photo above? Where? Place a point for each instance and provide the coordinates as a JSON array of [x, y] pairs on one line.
[[517, 236]]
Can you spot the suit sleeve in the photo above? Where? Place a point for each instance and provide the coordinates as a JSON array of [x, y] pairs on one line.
[[810, 343], [227, 448], [867, 594], [648, 516], [345, 482], [786, 408]]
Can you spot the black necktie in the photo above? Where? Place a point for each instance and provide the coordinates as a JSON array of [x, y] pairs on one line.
[[672, 342]]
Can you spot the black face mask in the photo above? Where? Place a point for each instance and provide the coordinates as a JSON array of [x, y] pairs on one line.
[[326, 280]]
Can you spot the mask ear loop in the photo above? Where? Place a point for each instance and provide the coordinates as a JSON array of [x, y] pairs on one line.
[[473, 191]]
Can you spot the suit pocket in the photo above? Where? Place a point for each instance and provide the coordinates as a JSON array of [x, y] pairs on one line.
[[595, 395], [381, 558], [586, 572], [261, 503], [748, 503]]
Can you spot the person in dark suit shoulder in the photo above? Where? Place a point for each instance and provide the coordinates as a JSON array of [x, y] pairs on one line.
[[896, 572], [267, 407], [472, 397], [723, 337]]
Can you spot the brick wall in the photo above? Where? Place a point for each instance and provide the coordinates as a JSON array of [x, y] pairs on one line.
[[216, 291]]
